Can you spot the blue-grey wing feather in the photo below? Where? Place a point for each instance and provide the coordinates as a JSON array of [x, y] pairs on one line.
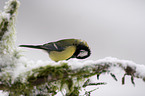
[[52, 47]]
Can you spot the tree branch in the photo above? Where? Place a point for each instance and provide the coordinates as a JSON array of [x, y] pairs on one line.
[[69, 73], [88, 68]]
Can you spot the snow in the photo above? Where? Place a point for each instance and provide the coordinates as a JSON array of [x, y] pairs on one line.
[[140, 71], [23, 65], [5, 15], [7, 43], [3, 93], [7, 4], [75, 63]]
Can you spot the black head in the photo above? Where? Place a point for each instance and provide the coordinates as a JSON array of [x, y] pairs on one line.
[[82, 52]]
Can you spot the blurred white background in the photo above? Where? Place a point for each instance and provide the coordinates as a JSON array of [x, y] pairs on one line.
[[111, 27]]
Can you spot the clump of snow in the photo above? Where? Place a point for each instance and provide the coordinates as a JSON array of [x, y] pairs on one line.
[[75, 63], [115, 65], [24, 65], [7, 4], [140, 71], [3, 93], [5, 15], [7, 43]]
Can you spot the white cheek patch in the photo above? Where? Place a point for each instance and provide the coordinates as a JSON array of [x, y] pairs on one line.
[[82, 53]]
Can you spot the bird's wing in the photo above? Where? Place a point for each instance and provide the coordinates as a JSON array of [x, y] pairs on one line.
[[59, 45], [52, 47]]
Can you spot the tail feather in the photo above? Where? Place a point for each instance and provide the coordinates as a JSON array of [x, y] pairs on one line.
[[32, 46]]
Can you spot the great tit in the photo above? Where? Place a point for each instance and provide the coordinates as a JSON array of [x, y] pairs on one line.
[[64, 49]]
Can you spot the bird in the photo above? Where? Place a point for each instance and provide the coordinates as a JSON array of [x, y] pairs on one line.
[[64, 49]]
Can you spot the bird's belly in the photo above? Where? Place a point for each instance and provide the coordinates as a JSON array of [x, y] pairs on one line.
[[63, 55]]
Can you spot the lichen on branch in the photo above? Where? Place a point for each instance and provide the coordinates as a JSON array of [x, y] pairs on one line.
[[7, 27], [69, 75]]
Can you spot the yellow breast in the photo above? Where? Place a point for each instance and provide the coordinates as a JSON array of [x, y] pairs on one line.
[[63, 55]]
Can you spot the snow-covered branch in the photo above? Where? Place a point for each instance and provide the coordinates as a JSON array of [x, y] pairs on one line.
[[54, 76], [20, 76], [7, 34], [75, 68]]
